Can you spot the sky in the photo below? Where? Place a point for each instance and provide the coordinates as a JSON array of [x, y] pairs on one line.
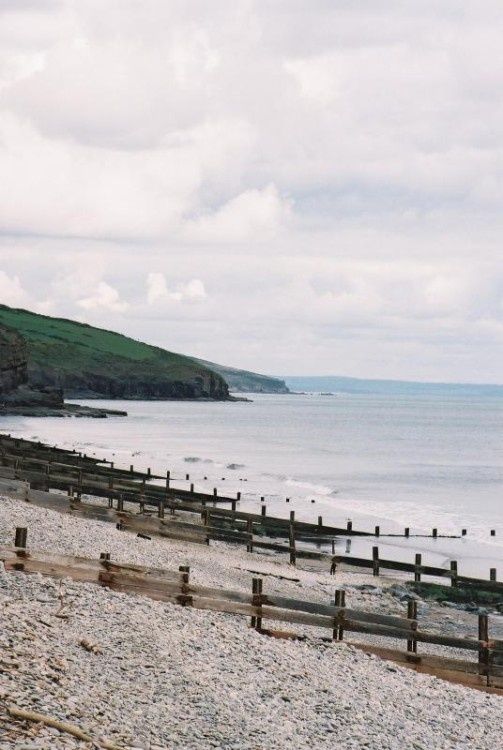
[[289, 187]]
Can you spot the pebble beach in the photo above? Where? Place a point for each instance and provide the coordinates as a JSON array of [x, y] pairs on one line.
[[162, 676]]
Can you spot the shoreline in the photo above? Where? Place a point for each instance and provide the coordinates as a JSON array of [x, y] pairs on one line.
[[475, 558]]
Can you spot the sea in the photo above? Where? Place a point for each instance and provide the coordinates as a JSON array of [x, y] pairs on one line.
[[388, 460]]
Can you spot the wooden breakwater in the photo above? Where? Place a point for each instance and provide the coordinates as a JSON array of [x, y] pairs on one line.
[[484, 670], [40, 474], [167, 523]]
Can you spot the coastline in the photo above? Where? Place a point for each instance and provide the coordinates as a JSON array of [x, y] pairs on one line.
[[174, 677]]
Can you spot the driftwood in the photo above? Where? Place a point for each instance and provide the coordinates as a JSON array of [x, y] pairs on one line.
[[18, 713], [92, 647]]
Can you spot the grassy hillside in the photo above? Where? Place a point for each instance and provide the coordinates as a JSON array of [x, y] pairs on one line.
[[93, 362]]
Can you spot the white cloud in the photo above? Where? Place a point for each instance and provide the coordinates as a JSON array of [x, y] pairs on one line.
[[11, 291], [104, 297], [158, 292], [253, 216]]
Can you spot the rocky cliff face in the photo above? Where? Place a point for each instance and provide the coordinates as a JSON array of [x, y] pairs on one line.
[[203, 385], [13, 360]]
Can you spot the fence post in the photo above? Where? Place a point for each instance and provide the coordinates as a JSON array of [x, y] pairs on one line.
[[492, 574], [20, 537], [484, 650], [168, 477], [454, 573], [185, 571], [417, 572], [375, 560], [120, 503], [340, 601], [291, 539], [412, 615], [256, 620], [249, 531], [161, 508]]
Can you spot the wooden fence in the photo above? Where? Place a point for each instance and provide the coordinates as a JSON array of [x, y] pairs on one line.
[[484, 670]]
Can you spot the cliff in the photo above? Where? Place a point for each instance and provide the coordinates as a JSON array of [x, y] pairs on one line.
[[243, 381], [88, 362], [13, 360]]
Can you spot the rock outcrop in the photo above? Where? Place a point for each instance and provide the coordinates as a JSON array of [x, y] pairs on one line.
[[13, 360], [18, 396]]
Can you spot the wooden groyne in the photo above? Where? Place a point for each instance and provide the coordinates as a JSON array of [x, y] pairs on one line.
[[484, 670], [64, 480]]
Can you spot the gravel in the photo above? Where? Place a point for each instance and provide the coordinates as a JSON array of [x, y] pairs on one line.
[[169, 677]]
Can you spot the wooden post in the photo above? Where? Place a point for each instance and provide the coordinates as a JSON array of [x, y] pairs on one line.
[[131, 468], [253, 621], [187, 477], [120, 503], [320, 522], [249, 531], [110, 482], [291, 538], [375, 560], [148, 471], [292, 516], [238, 496], [340, 601], [215, 493], [434, 533], [492, 574], [350, 526], [263, 510], [262, 499], [192, 488], [412, 615], [417, 572], [161, 508], [185, 571], [20, 537], [454, 573], [463, 532], [256, 621], [493, 532], [233, 505], [168, 477], [484, 650], [407, 532], [377, 531]]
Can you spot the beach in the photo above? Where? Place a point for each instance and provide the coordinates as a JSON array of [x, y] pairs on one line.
[[167, 676]]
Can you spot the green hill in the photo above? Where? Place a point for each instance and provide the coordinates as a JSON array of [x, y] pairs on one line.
[[89, 362]]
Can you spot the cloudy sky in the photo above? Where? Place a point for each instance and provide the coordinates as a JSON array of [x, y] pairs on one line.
[[286, 186]]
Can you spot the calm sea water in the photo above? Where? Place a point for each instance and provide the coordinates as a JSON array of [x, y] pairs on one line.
[[395, 461]]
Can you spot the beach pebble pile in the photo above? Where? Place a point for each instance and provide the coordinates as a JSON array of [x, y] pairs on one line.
[[152, 676]]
